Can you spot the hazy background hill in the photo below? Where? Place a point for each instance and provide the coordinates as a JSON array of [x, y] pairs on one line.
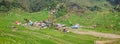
[[37, 5]]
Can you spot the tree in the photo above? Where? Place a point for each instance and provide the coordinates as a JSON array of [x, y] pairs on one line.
[[115, 3]]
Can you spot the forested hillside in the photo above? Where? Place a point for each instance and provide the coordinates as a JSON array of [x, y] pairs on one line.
[[37, 5], [27, 5]]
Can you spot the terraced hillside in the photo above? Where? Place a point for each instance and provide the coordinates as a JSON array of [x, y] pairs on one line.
[[35, 35], [101, 13]]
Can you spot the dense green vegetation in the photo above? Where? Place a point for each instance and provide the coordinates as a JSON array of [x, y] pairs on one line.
[[27, 5], [37, 5]]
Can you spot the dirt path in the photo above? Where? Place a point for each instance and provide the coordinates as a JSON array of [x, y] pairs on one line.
[[97, 34]]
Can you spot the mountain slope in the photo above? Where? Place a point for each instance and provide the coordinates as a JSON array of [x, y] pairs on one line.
[[32, 35]]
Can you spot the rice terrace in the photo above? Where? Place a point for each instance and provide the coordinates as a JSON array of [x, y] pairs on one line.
[[59, 21]]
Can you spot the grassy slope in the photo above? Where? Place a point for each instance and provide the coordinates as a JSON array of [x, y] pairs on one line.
[[27, 36], [103, 18]]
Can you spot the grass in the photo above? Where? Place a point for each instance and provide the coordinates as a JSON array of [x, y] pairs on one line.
[[103, 20], [28, 36], [44, 37]]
